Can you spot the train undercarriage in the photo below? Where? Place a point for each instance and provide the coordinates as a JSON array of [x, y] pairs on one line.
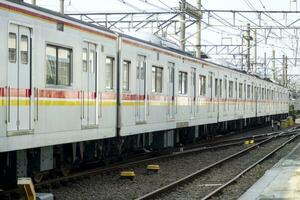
[[60, 160]]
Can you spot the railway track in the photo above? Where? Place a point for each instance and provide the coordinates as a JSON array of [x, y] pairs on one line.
[[143, 159], [169, 191]]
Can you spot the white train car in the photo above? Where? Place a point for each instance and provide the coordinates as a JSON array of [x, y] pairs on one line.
[[71, 92]]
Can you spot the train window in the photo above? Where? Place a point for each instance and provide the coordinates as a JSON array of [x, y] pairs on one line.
[[64, 67], [220, 87], [126, 68], [12, 47], [84, 59], [241, 90], [248, 91], [216, 87], [182, 77], [157, 73], [202, 85], [263, 94], [58, 65], [24, 49], [109, 72], [92, 60], [230, 89], [225, 87]]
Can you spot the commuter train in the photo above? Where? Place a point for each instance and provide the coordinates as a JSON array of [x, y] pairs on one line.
[[72, 92]]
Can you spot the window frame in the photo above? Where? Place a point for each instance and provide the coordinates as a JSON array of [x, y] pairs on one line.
[[202, 85], [128, 62], [155, 88], [230, 89], [57, 47], [183, 90], [112, 72], [15, 49]]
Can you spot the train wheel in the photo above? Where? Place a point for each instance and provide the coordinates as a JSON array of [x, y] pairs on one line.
[[38, 177], [66, 169]]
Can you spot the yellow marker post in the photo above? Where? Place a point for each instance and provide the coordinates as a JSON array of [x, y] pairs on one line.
[[153, 168], [26, 186], [127, 174]]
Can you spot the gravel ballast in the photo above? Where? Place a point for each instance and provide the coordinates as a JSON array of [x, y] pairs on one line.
[[206, 183], [110, 186]]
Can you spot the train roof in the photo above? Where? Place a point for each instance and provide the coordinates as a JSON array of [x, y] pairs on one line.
[[102, 28], [51, 12]]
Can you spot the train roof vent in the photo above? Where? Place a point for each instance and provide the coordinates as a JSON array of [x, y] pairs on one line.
[[154, 39]]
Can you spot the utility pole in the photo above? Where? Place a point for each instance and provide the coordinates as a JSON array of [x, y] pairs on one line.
[[198, 29], [255, 52], [286, 65], [248, 47], [62, 6], [273, 67], [248, 38], [182, 25], [283, 70], [265, 64]]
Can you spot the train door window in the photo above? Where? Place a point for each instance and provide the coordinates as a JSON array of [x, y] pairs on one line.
[[202, 85], [245, 90], [24, 49], [182, 86], [236, 89], [84, 60], [248, 91], [230, 89], [225, 87], [109, 72], [12, 47], [59, 66], [92, 61], [216, 87], [220, 88], [241, 90], [157, 73], [126, 68]]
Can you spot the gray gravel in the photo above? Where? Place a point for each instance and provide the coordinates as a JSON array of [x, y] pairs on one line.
[[236, 190], [214, 178], [110, 186]]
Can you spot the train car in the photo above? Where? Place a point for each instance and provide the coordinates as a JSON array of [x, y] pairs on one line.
[[72, 93]]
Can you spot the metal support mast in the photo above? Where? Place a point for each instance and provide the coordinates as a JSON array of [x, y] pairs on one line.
[[182, 25], [283, 70], [62, 6], [255, 52], [285, 77], [273, 67], [198, 29], [248, 38]]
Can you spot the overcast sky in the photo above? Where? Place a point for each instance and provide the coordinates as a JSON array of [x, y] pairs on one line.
[[283, 45], [117, 5]]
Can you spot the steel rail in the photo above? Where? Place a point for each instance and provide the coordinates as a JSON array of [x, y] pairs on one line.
[[219, 189], [189, 177]]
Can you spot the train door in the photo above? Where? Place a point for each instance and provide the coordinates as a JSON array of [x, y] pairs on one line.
[[89, 77], [171, 91], [193, 92], [141, 89], [19, 79]]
